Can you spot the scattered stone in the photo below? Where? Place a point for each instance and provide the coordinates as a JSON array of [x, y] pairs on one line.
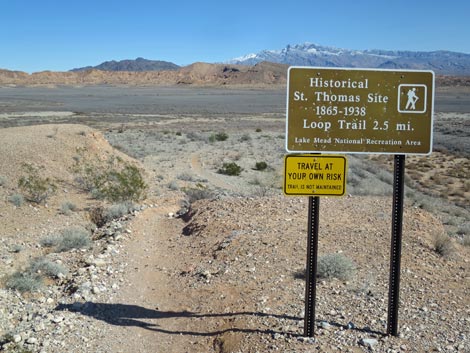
[[32, 340], [369, 342]]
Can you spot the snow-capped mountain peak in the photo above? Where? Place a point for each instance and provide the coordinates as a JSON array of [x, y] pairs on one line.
[[310, 54]]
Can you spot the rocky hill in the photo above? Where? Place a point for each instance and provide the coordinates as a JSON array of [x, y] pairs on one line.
[[195, 74], [139, 64]]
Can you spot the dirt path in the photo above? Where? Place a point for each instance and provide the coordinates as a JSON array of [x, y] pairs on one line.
[[152, 313]]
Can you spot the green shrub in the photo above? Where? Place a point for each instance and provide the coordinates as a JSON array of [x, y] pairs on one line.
[[35, 188], [231, 168], [24, 281], [261, 166], [126, 184], [220, 136], [114, 179], [73, 238], [335, 266], [258, 130], [16, 199]]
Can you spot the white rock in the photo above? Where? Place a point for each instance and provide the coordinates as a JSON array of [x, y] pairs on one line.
[[32, 340], [369, 342], [17, 338], [58, 319]]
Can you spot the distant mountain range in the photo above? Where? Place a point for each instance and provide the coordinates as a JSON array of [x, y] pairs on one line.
[[139, 64], [308, 54]]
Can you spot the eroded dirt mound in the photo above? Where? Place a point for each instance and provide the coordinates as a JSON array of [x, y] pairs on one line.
[[51, 151]]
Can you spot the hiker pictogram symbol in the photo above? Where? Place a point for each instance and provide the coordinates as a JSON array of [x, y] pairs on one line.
[[412, 98]]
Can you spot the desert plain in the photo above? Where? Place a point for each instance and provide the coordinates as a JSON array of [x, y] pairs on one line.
[[210, 262]]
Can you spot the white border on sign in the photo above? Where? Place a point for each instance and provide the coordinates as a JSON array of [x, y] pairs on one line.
[[358, 69]]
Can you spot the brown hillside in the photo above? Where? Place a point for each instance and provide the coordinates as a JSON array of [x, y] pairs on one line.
[[194, 74]]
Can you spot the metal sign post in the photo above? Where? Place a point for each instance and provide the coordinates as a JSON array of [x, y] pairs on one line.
[[395, 251], [311, 273]]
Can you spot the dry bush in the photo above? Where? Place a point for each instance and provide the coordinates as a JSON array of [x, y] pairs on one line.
[[443, 245]]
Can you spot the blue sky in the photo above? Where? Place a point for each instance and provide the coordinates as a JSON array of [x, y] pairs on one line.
[[55, 35]]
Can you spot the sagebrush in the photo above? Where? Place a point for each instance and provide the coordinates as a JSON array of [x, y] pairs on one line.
[[335, 266]]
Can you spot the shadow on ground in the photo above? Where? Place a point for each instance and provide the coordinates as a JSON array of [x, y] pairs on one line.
[[134, 315]]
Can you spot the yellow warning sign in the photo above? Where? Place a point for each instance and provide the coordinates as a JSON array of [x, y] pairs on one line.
[[314, 175]]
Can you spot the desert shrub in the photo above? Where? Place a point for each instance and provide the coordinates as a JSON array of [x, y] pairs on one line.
[[16, 248], [118, 210], [16, 199], [73, 238], [464, 229], [245, 138], [258, 130], [261, 166], [220, 136], [47, 268], [335, 266], [193, 136], [442, 244], [49, 241], [126, 184], [35, 188], [24, 281], [3, 180], [198, 193], [97, 216], [67, 207], [186, 177], [114, 179], [173, 185], [466, 240], [231, 168], [261, 191]]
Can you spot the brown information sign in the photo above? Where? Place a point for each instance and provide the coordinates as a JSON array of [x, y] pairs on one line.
[[359, 111], [314, 175]]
